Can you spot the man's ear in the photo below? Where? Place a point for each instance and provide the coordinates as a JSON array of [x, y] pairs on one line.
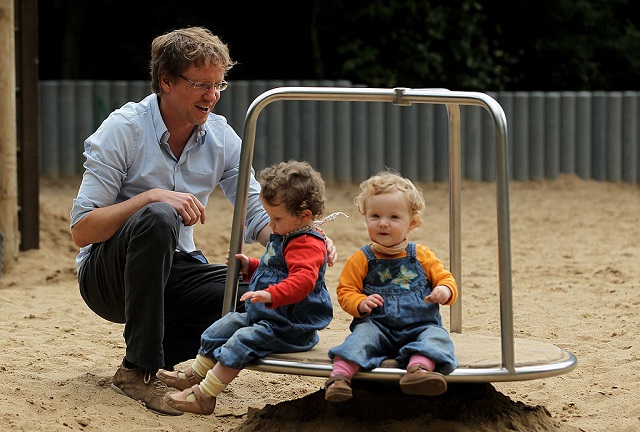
[[166, 82]]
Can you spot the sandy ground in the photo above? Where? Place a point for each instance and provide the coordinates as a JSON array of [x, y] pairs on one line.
[[576, 276]]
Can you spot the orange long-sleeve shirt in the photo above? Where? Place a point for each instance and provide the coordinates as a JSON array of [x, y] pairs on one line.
[[350, 288]]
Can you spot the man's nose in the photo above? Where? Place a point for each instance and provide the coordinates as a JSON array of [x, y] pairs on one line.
[[212, 94]]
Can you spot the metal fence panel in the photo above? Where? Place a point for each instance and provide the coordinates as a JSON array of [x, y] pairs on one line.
[[590, 134]]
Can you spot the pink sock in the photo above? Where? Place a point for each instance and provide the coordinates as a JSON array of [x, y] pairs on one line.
[[344, 367], [420, 359]]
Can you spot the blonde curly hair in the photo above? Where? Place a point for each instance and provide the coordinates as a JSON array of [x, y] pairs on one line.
[[390, 181]]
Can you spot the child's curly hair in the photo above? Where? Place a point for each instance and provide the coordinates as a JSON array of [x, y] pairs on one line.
[[390, 181], [294, 184]]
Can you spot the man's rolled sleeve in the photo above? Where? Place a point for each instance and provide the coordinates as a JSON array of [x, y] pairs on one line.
[[81, 207]]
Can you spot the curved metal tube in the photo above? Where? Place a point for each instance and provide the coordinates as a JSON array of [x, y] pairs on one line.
[[403, 96]]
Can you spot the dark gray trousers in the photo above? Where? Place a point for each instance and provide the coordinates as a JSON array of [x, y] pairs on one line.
[[166, 299]]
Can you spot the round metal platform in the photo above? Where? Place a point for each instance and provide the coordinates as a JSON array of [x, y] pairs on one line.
[[478, 357]]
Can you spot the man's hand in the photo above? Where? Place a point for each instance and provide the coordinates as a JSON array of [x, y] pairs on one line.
[[187, 205]]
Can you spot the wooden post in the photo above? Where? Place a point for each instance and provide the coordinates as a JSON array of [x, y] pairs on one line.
[[28, 127], [8, 145]]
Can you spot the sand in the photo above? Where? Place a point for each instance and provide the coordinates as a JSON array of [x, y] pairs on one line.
[[576, 284]]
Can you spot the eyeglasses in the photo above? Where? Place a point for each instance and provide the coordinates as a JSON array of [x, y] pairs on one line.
[[203, 86]]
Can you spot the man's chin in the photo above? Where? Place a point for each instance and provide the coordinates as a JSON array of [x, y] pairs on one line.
[[201, 120]]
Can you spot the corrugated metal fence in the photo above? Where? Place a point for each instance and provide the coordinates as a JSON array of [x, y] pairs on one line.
[[591, 134]]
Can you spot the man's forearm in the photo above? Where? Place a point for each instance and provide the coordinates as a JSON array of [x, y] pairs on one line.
[[101, 224]]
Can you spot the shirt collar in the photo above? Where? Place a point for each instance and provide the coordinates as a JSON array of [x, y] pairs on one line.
[[201, 133], [162, 133]]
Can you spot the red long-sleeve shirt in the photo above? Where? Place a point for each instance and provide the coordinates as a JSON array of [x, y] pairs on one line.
[[305, 255]]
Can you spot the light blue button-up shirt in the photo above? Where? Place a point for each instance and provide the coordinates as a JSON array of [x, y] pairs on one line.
[[129, 154]]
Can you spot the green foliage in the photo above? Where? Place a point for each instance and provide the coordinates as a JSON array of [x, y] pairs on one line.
[[474, 45], [481, 45], [414, 44]]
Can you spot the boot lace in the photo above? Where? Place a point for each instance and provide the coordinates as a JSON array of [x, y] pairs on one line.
[[149, 376]]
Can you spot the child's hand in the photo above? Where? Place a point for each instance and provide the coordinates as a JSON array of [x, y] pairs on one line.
[[440, 294], [370, 303], [244, 262], [260, 296], [332, 252]]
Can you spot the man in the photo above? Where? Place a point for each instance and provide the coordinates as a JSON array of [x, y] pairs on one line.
[[150, 168]]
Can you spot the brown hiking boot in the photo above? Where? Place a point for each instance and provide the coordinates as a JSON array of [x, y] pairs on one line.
[[142, 385]]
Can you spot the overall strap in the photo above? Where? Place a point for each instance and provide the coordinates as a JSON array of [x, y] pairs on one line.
[[411, 250], [368, 252], [310, 231]]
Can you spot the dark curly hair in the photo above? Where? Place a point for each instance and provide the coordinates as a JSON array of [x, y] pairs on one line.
[[294, 184]]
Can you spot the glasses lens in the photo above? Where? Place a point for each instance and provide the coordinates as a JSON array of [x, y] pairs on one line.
[[202, 86]]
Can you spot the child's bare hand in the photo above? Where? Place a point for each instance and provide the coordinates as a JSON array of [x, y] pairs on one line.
[[370, 303], [331, 251], [440, 294], [244, 262], [260, 296]]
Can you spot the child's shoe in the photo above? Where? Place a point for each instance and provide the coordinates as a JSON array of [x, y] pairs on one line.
[[338, 389], [191, 400], [420, 381], [180, 380]]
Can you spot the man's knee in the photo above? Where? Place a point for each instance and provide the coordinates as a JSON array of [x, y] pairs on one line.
[[158, 219], [159, 212]]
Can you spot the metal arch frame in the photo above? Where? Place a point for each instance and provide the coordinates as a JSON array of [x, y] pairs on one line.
[[406, 96]]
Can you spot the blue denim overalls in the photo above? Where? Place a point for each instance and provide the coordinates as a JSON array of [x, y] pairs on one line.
[[404, 324], [237, 339]]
